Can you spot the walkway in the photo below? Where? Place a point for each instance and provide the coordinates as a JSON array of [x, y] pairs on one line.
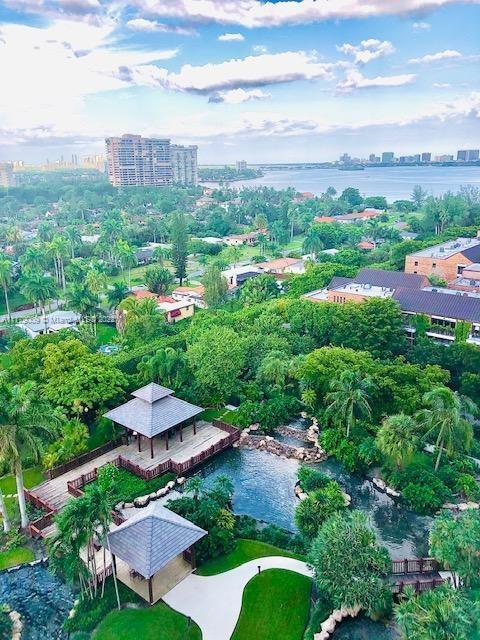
[[214, 602], [55, 491]]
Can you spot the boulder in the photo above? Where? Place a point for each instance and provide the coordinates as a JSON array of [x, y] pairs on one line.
[[153, 496], [450, 505], [119, 506], [170, 484], [181, 480], [337, 615], [302, 495], [142, 501], [473, 505], [463, 506], [329, 625], [128, 505], [162, 492], [392, 492], [347, 498]]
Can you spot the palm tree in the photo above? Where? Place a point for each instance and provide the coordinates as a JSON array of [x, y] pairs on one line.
[[115, 294], [6, 279], [39, 288], [348, 399], [167, 366], [274, 369], [396, 438], [80, 298], [445, 419], [26, 421], [313, 243], [126, 256], [194, 485], [74, 239], [58, 249], [34, 258], [7, 525]]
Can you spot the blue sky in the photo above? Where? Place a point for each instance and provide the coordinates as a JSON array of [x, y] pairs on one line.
[[265, 81]]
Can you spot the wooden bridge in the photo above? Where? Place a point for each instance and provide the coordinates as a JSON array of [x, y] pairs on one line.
[[421, 574]]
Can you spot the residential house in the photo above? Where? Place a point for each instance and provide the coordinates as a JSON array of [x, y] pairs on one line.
[[144, 255], [236, 276], [351, 218], [446, 260], [193, 295], [469, 280], [283, 266], [250, 238], [50, 323]]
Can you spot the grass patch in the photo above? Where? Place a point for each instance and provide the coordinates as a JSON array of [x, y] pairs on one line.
[[31, 477], [15, 299], [11, 558], [245, 550], [275, 604], [106, 333], [217, 414], [129, 486], [155, 623]]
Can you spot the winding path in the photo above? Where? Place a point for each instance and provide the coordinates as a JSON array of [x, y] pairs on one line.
[[214, 602]]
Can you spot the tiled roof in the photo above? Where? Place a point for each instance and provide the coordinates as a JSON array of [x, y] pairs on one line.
[[473, 253], [152, 537], [433, 303], [391, 279], [152, 411], [279, 263], [338, 281]]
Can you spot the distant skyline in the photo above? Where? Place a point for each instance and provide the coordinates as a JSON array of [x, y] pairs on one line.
[[273, 81]]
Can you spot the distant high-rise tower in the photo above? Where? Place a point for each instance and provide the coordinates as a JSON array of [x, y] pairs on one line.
[[387, 156], [426, 156], [184, 164], [241, 165], [136, 161], [467, 155], [7, 177]]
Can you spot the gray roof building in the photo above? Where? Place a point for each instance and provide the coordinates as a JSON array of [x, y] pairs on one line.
[[435, 303], [153, 537], [153, 411], [390, 279]]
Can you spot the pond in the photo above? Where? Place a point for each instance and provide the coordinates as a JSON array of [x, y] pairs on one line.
[[42, 601], [264, 489]]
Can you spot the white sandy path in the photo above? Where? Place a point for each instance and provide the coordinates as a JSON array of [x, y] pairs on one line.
[[214, 602]]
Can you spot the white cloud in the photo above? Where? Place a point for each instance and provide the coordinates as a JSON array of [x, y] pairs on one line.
[[142, 24], [59, 66], [421, 26], [368, 50], [356, 80], [249, 72], [256, 13], [442, 85], [231, 37], [237, 96], [260, 48], [448, 54]]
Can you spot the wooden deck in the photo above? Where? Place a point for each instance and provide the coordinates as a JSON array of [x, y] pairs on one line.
[[55, 492]]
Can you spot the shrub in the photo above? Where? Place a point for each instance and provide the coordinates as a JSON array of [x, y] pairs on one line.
[[73, 442], [322, 503], [129, 486], [311, 479], [468, 486], [5, 623], [427, 496]]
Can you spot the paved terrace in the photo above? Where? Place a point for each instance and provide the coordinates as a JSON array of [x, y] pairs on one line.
[[55, 491]]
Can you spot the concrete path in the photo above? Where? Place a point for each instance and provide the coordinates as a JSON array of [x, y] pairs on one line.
[[214, 602]]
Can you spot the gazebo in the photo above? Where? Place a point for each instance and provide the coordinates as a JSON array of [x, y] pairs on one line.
[[154, 548], [154, 411]]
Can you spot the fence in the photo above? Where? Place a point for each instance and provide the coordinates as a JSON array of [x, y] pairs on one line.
[[414, 565], [35, 528], [88, 456], [417, 585]]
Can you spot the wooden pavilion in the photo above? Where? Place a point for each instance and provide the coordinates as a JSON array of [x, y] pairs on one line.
[[154, 411], [153, 550]]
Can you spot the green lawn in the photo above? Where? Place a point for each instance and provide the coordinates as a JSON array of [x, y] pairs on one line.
[[15, 299], [106, 333], [244, 551], [15, 556], [275, 605], [31, 477], [155, 623]]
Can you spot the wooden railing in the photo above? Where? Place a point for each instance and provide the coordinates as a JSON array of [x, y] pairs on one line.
[[38, 502], [88, 456], [414, 565], [76, 485], [36, 527], [417, 585]]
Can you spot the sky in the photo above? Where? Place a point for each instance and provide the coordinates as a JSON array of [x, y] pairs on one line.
[[264, 81]]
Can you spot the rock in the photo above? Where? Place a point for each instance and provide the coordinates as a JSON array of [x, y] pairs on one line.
[[128, 505], [347, 498], [329, 625], [337, 615], [302, 495], [153, 496], [162, 492], [269, 438], [379, 483], [181, 480], [323, 635], [142, 501], [170, 484], [450, 505], [119, 506], [463, 506], [392, 492], [263, 443], [473, 505]]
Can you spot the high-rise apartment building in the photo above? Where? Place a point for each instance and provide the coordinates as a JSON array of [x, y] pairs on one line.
[[241, 165], [136, 161], [387, 156], [468, 155], [426, 156], [7, 177], [184, 164]]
